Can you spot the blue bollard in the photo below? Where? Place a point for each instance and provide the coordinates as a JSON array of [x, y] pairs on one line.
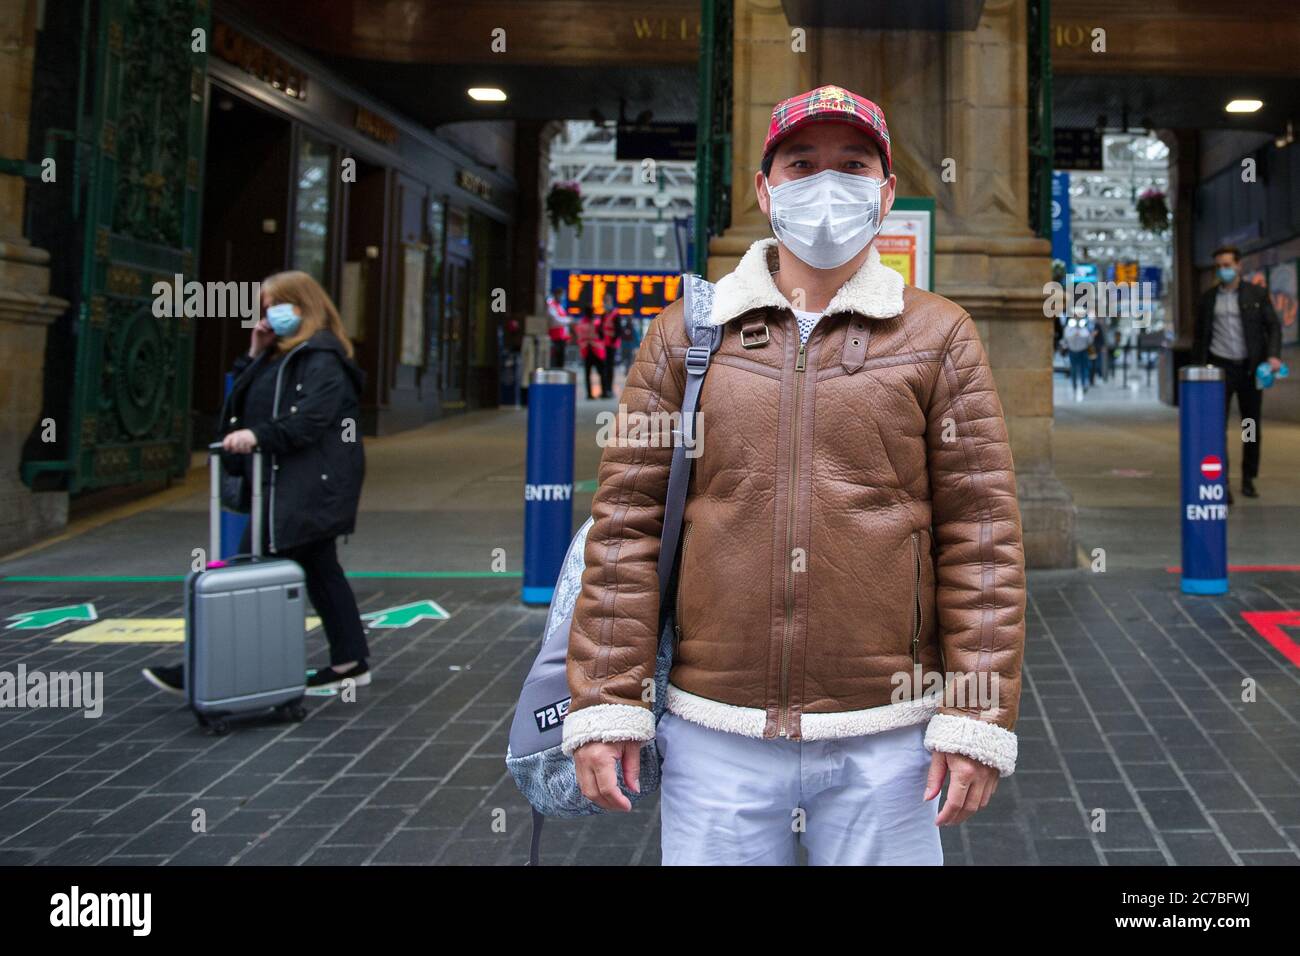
[[548, 481], [1202, 450]]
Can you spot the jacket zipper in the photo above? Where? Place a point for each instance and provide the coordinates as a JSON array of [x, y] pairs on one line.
[[916, 598], [681, 568], [275, 411], [783, 714]]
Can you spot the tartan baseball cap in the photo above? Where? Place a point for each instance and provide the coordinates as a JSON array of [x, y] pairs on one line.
[[828, 104]]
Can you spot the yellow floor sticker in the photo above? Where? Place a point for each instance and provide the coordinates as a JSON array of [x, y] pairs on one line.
[[138, 630]]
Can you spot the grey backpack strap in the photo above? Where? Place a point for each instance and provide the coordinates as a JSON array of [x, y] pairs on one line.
[[705, 339]]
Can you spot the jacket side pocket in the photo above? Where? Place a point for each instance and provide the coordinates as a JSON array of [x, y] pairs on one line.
[[917, 612]]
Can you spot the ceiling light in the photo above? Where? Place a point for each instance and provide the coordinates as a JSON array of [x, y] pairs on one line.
[[487, 94], [1244, 106]]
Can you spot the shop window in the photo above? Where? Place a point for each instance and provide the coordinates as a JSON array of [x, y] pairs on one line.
[[437, 214], [312, 208]]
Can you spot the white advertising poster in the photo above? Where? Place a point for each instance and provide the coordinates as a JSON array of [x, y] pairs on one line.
[[413, 262], [352, 299]]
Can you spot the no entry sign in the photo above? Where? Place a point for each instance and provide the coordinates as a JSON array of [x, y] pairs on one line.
[[1202, 448]]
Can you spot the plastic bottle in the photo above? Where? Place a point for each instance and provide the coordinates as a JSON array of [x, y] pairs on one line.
[[1265, 376]]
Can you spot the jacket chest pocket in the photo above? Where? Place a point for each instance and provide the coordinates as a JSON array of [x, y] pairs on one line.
[[681, 583]]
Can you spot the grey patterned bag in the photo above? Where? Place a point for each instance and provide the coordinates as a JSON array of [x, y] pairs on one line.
[[543, 773]]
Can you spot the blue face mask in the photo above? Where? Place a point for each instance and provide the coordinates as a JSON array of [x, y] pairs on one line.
[[283, 319], [1227, 274]]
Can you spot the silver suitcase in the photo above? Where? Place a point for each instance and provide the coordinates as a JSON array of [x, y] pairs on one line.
[[245, 625]]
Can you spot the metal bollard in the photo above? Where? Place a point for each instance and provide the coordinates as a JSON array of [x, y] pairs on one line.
[[1202, 450], [548, 482]]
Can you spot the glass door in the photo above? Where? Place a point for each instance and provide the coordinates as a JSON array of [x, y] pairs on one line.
[[457, 308], [455, 332]]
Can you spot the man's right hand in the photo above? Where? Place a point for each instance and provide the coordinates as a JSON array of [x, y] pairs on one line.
[[597, 768]]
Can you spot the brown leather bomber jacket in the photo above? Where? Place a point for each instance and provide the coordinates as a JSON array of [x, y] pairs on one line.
[[851, 557]]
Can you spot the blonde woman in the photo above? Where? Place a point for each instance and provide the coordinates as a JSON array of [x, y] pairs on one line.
[[296, 398]]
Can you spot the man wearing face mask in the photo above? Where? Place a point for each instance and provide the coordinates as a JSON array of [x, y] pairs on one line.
[[1237, 329], [850, 599]]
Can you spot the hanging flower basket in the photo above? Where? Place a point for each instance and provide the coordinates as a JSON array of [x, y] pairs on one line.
[[1153, 211], [564, 205]]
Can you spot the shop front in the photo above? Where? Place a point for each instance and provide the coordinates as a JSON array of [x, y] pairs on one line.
[[240, 157], [406, 233]]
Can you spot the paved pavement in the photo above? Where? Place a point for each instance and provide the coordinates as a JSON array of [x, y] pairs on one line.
[[1136, 744], [1117, 453]]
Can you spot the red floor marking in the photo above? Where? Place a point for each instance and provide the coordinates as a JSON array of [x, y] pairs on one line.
[[1243, 568], [1269, 625]]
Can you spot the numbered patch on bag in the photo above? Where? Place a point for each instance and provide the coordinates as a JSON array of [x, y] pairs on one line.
[[552, 715]]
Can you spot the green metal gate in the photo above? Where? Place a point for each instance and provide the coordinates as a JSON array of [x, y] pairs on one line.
[[130, 407], [1041, 137], [713, 128]]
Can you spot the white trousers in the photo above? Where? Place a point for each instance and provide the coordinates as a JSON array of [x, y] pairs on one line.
[[728, 800]]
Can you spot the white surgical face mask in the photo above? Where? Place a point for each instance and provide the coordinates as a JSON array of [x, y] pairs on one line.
[[828, 218]]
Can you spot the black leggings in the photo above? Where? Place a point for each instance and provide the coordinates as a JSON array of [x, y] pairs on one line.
[[589, 362], [330, 594]]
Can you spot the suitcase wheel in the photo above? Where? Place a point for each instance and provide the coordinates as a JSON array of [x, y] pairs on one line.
[[214, 725], [293, 711]]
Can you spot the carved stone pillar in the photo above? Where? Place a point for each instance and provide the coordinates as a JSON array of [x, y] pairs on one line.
[[955, 101], [26, 308]]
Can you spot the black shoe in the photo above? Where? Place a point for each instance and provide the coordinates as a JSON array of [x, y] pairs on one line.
[[328, 677], [1248, 489], [170, 680]]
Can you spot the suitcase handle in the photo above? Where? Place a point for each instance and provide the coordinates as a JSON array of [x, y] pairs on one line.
[[214, 503]]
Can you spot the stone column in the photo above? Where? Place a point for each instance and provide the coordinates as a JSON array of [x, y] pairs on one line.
[[26, 307], [955, 101], [1184, 177]]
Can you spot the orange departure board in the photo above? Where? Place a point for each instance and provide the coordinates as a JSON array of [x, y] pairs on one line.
[[638, 294]]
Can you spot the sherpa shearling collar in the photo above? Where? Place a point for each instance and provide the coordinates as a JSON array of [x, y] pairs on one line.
[[874, 291]]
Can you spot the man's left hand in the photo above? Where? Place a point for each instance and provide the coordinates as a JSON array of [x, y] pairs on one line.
[[1274, 363], [970, 786], [240, 442]]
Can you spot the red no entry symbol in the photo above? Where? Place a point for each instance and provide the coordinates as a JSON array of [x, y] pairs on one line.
[[1270, 624], [1211, 467]]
